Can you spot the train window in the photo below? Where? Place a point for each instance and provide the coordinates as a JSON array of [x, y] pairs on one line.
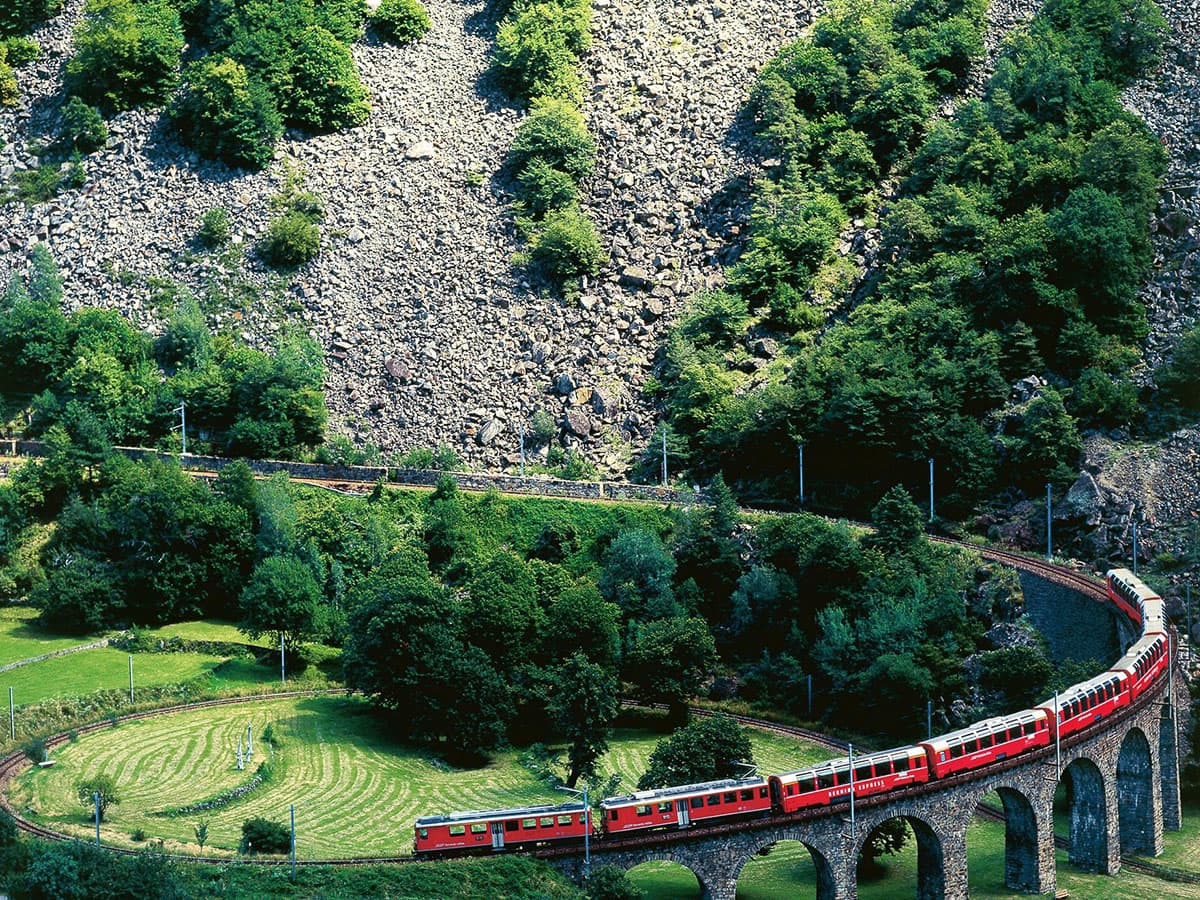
[[612, 815], [791, 790], [424, 834], [664, 807], [714, 799], [532, 823], [564, 820], [863, 773], [762, 792], [731, 797], [478, 827], [956, 751], [826, 780], [512, 825], [697, 802], [643, 810], [747, 795], [456, 830], [902, 764], [546, 821], [583, 818]]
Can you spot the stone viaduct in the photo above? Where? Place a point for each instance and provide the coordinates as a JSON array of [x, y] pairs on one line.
[[1122, 784]]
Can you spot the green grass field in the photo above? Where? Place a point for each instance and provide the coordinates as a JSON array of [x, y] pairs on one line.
[[356, 790], [20, 638], [205, 630]]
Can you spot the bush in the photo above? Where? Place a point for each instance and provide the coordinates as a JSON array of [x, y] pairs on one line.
[[17, 16], [566, 245], [82, 128], [291, 240], [326, 93], [545, 188], [612, 883], [214, 227], [8, 82], [224, 113], [536, 50], [265, 836], [401, 21], [21, 50], [126, 53], [555, 133], [542, 429], [36, 750]]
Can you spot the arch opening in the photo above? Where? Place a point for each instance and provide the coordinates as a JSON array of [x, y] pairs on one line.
[[913, 848], [1136, 796], [1082, 816], [664, 878], [1003, 846], [787, 868]]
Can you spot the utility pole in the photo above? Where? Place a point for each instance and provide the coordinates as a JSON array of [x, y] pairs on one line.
[[802, 474], [12, 717], [521, 432], [1188, 587], [96, 801], [293, 842], [931, 489], [282, 669], [131, 679], [664, 455], [929, 718], [182, 424], [1049, 546], [850, 747], [1134, 547]]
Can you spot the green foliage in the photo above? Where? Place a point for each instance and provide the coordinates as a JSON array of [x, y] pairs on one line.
[[637, 576], [265, 836], [544, 188], [126, 53], [565, 244], [326, 94], [214, 227], [1020, 675], [709, 749], [224, 113], [1179, 379], [669, 659], [441, 458], [20, 50], [537, 45], [282, 599], [82, 128], [897, 520], [97, 793], [291, 240], [583, 704], [401, 21], [18, 16], [542, 428], [554, 132], [9, 92], [611, 883], [35, 749]]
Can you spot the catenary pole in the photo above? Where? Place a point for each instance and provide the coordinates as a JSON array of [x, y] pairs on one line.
[[931, 489], [131, 679], [96, 802], [293, 842], [852, 831], [801, 474], [1135, 548], [12, 717], [1049, 545], [282, 670], [664, 455]]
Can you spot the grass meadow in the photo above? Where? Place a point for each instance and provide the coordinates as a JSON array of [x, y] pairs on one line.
[[356, 789], [21, 639]]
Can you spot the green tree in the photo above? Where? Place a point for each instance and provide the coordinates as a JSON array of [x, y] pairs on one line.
[[1047, 444], [225, 113], [637, 575], [97, 793], [583, 703], [503, 616], [126, 53], [282, 599], [709, 749], [264, 836], [669, 660], [579, 619], [554, 132], [899, 525], [326, 94]]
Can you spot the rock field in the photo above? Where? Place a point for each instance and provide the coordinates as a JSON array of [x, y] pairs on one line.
[[431, 336]]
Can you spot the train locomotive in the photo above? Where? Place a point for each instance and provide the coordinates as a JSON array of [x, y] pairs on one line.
[[831, 782]]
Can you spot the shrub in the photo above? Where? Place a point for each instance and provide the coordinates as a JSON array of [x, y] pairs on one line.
[[8, 82], [17, 16], [544, 188], [401, 21], [555, 133], [21, 50], [542, 428], [566, 244], [214, 227], [126, 54], [138, 835], [224, 113], [536, 50], [82, 128], [36, 750], [291, 240], [326, 93], [265, 836], [612, 883]]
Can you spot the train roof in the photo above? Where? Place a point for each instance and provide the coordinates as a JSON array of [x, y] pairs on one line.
[[843, 762], [1133, 583], [1078, 690], [1138, 647], [705, 787], [488, 815], [987, 726]]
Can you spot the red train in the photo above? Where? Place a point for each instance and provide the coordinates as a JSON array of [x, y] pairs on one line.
[[830, 783]]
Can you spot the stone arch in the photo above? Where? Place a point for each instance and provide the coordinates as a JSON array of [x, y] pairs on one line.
[[706, 889], [1136, 797], [1168, 764], [827, 887], [1088, 848], [1023, 863], [931, 853]]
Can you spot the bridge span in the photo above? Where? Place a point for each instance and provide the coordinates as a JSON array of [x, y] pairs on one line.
[[1122, 779]]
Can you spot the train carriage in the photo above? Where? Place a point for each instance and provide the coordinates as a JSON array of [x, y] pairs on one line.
[[1136, 599], [829, 782], [1086, 703], [1144, 662], [497, 829], [686, 805], [986, 742]]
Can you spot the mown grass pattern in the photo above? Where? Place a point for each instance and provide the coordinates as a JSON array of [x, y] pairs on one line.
[[356, 789]]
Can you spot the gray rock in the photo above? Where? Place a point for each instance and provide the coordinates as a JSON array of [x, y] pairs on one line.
[[420, 150], [577, 422], [636, 277], [488, 432]]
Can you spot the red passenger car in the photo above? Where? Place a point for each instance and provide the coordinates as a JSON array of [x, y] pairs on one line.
[[986, 742], [1081, 705], [829, 782], [494, 830], [686, 805], [1136, 599], [1144, 662]]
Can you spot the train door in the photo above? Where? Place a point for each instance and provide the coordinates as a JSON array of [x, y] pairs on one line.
[[682, 813], [497, 835]]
